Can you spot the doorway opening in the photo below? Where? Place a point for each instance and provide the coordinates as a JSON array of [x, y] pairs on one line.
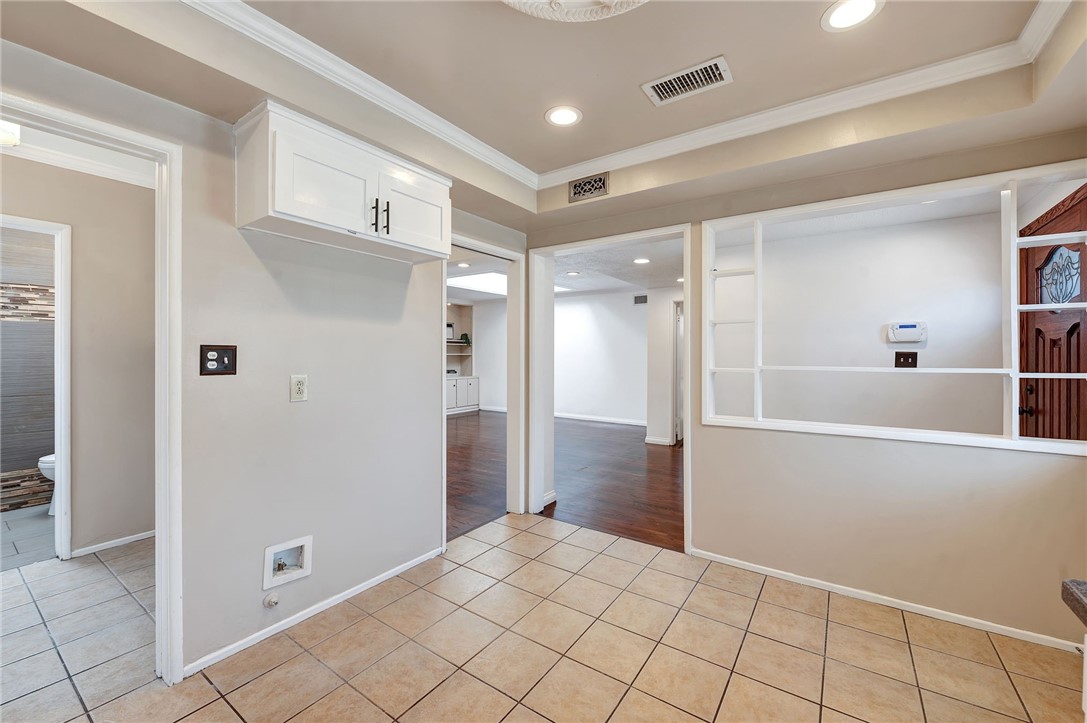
[[609, 394]]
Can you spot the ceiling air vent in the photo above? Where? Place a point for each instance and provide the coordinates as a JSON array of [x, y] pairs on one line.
[[589, 187], [641, 299], [697, 79]]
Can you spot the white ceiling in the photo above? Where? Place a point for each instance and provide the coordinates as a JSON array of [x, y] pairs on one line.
[[478, 264]]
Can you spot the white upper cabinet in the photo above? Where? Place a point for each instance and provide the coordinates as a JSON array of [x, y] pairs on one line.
[[299, 178]]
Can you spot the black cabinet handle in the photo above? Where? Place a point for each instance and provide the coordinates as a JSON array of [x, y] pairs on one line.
[[1027, 411], [375, 215], [386, 217]]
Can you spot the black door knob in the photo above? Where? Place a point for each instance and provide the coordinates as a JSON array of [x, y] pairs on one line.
[[1028, 411]]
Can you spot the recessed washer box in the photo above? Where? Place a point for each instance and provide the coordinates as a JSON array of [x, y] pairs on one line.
[[288, 561]]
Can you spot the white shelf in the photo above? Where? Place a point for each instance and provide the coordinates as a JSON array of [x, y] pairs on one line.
[[732, 370], [450, 353], [1036, 375], [737, 321], [1026, 242], [750, 271], [910, 370], [1052, 307]]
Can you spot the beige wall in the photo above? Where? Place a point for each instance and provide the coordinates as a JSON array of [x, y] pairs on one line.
[[113, 340], [660, 361]]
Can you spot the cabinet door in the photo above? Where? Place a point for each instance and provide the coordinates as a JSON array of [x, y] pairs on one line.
[[450, 393], [473, 392], [321, 179], [462, 393], [414, 210]]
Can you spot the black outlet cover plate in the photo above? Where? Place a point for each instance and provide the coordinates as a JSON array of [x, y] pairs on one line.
[[218, 360], [906, 359]]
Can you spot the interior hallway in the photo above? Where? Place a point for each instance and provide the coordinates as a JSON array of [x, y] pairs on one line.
[[606, 478]]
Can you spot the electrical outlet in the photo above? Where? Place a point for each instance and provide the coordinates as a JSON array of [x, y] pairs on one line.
[[906, 359], [299, 387]]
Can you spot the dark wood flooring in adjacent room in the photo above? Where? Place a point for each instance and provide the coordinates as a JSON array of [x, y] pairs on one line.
[[606, 478]]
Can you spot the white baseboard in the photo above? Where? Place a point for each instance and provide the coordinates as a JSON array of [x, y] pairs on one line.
[[895, 603], [549, 497], [223, 653], [112, 543], [659, 440], [492, 409], [608, 420]]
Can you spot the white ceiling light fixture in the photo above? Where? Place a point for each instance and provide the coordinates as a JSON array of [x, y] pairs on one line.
[[848, 14], [573, 273], [463, 265], [574, 11], [679, 280], [9, 133], [563, 115], [491, 282], [641, 261]]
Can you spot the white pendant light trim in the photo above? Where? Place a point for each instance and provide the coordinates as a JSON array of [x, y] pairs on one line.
[[574, 11]]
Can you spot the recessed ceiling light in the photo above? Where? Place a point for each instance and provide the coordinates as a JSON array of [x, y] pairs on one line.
[[563, 115], [641, 261], [848, 14], [573, 273], [463, 265], [927, 202], [679, 280], [9, 133]]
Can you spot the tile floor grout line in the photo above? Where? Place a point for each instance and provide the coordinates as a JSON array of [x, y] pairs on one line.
[[1004, 666], [740, 649], [913, 664]]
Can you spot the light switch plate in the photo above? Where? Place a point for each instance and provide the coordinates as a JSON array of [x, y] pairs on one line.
[[218, 359], [906, 359]]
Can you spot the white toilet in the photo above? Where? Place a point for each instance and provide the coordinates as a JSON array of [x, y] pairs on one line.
[[48, 467]]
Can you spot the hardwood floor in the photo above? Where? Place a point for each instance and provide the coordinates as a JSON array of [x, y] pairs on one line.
[[606, 478]]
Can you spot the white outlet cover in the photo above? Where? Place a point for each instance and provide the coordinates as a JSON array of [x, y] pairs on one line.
[[299, 388]]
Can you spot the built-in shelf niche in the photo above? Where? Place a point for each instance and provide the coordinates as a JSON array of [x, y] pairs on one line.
[[458, 355]]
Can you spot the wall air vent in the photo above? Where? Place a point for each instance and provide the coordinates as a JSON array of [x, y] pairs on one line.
[[588, 187], [697, 79], [641, 299]]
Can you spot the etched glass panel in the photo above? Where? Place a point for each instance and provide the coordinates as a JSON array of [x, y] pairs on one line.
[[1059, 279]]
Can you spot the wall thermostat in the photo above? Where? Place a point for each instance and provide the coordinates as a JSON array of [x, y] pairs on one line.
[[907, 332]]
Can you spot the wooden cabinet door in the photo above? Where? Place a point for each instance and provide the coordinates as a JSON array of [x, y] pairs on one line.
[[321, 179], [473, 392], [414, 210], [450, 393]]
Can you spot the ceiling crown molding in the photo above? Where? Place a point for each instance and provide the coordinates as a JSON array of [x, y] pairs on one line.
[[260, 28]]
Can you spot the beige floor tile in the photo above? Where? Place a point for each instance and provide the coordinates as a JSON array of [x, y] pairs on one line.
[[14, 597], [81, 598], [591, 539], [567, 557], [967, 681], [124, 637], [428, 571], [401, 679], [782, 666], [503, 604], [343, 705], [872, 652], [789, 626], [1048, 702], [941, 709], [793, 595], [687, 682], [251, 663], [553, 625], [148, 543], [414, 613], [23, 644], [138, 579], [521, 714], [463, 549], [538, 578], [704, 638], [459, 636], [497, 563], [721, 605], [324, 624], [284, 691], [528, 544], [612, 651], [610, 571], [10, 578], [1060, 667], [382, 594], [572, 692], [869, 696], [19, 618], [56, 702], [869, 616], [512, 664], [353, 650], [637, 707], [747, 701], [82, 575], [55, 566], [460, 585], [30, 674], [71, 627], [217, 711], [649, 618], [492, 533], [114, 678], [155, 702], [832, 716], [676, 563], [951, 638], [633, 551], [135, 561], [661, 586], [588, 596], [554, 529], [461, 698], [520, 522]]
